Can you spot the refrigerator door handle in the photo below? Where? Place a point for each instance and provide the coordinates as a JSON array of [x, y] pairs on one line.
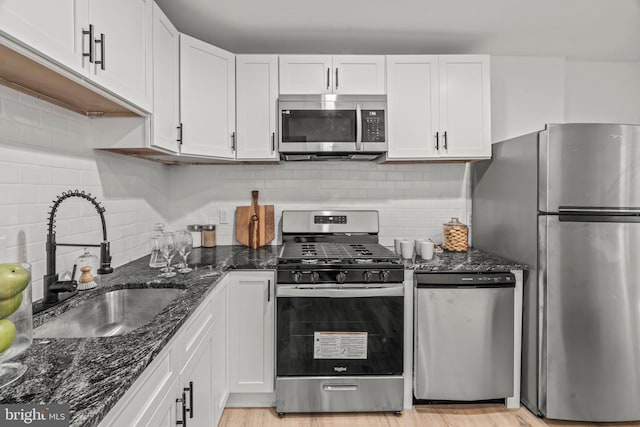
[[566, 214]]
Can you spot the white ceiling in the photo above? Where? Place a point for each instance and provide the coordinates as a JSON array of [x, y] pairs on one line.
[[607, 30]]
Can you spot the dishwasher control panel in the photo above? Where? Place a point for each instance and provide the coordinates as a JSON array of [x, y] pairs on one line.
[[440, 280]]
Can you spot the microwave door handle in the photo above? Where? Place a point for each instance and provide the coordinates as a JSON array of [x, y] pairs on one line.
[[358, 128]]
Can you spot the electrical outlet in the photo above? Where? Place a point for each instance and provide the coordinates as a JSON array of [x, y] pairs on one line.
[[224, 215]]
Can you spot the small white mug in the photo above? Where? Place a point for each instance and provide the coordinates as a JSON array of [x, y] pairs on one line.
[[418, 245], [426, 249], [397, 244], [406, 248]]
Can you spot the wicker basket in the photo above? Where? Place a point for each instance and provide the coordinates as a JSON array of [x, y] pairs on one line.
[[456, 236]]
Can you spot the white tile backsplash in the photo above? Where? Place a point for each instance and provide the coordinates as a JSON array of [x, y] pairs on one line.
[[45, 150]]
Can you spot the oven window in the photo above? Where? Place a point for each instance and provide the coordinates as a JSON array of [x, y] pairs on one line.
[[377, 322], [318, 126]]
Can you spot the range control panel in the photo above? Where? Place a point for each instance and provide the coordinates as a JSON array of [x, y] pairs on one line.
[[333, 219], [373, 129]]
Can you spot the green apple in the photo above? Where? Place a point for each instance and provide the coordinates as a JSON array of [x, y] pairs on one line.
[[7, 334], [13, 279], [9, 305]]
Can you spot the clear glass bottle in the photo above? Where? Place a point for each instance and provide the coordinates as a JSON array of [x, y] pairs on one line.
[[86, 271], [156, 260]]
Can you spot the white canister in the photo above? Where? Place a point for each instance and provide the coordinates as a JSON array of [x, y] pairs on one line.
[[418, 245], [426, 249], [397, 242], [196, 234], [406, 248]]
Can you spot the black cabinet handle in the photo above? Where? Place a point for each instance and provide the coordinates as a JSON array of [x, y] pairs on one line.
[[190, 390], [268, 290], [328, 77], [101, 41], [183, 422], [180, 134], [233, 141], [437, 141], [444, 137], [336, 78], [90, 34], [273, 142]]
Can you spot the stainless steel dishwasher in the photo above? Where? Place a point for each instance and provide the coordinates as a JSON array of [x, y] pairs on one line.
[[464, 325]]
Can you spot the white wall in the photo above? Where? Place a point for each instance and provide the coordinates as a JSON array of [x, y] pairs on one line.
[[526, 93], [413, 200], [603, 92], [45, 150]]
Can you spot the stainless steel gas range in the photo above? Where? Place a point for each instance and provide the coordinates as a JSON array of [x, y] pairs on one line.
[[340, 315]]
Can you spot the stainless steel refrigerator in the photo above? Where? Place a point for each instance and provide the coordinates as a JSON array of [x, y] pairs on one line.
[[566, 201]]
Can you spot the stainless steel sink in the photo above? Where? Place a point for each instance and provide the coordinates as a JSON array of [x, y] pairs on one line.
[[109, 314]]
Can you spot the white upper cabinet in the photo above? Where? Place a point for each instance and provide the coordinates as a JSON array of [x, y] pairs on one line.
[[465, 106], [107, 41], [207, 99], [123, 55], [166, 81], [340, 74], [54, 28], [439, 107], [256, 106], [413, 106]]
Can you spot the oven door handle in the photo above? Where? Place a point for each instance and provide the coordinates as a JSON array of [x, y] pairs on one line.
[[293, 291], [358, 127]]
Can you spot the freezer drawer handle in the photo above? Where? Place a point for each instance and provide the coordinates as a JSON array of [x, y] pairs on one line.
[[339, 387]]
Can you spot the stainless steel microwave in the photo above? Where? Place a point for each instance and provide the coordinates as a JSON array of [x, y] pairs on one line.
[[332, 126]]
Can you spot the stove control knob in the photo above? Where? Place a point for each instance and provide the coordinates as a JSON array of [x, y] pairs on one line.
[[340, 277], [384, 275], [297, 275], [315, 276], [367, 276]]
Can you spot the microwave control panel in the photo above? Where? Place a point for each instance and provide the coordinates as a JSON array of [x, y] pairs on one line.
[[373, 126]]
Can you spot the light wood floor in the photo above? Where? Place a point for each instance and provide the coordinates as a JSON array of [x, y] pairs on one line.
[[490, 415]]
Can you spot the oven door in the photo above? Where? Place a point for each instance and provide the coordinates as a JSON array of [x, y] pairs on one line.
[[339, 331]]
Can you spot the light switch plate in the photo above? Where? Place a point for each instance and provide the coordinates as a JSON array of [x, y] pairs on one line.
[[225, 215]]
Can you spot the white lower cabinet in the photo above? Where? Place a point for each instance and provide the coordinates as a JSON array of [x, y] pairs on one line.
[[190, 371], [251, 331]]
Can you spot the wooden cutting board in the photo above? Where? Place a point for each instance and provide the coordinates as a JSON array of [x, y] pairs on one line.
[[255, 226]]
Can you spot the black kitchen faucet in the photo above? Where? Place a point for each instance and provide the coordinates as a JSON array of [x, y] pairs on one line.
[[52, 286]]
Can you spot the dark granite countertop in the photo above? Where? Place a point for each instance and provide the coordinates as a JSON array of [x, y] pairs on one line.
[[92, 374], [474, 260]]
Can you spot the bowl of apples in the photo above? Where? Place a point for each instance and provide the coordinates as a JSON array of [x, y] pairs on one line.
[[16, 320]]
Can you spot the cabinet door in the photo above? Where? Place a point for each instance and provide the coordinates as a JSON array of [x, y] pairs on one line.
[[163, 412], [166, 113], [412, 102], [207, 99], [251, 332], [306, 74], [465, 106], [257, 99], [124, 26], [53, 28], [195, 382], [359, 74], [220, 377]]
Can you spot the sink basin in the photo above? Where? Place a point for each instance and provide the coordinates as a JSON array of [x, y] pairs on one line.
[[109, 314]]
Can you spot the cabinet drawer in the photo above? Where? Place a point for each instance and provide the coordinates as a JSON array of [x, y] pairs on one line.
[[193, 331], [154, 383]]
